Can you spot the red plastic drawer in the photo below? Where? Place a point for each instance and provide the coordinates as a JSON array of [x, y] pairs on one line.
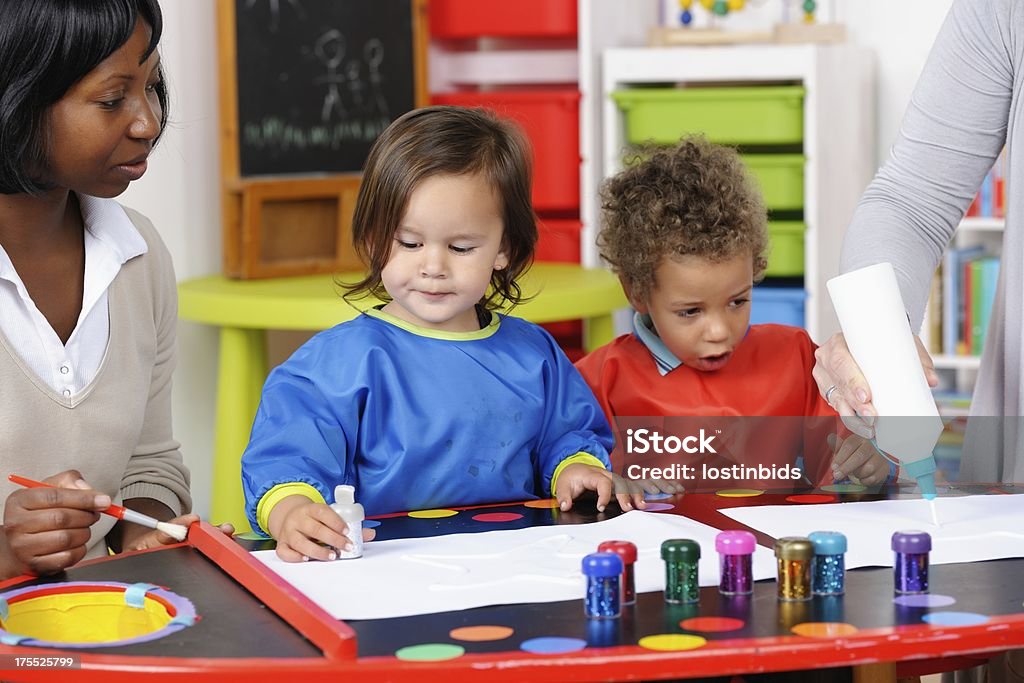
[[551, 121], [515, 18], [558, 241]]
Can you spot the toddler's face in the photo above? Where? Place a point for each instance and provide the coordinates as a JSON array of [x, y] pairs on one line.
[[447, 245], [103, 128], [700, 308]]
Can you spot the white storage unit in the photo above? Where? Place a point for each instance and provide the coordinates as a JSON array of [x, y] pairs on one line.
[[838, 134]]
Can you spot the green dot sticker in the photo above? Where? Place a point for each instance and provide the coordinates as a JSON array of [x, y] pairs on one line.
[[430, 652]]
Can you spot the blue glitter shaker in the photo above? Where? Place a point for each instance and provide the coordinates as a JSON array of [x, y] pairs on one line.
[[828, 568], [910, 568], [602, 600]]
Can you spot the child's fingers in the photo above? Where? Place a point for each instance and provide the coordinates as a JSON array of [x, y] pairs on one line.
[[369, 534], [603, 485], [567, 491], [852, 464], [843, 450], [289, 554], [324, 525], [874, 471], [307, 547]]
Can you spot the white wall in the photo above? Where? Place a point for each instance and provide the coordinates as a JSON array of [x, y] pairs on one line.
[[181, 190]]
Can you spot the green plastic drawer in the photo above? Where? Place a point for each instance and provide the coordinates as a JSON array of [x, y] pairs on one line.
[[786, 253], [739, 116], [780, 177]]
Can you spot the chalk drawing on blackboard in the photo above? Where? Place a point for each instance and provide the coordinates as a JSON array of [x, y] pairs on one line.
[[275, 11], [330, 49], [373, 52]]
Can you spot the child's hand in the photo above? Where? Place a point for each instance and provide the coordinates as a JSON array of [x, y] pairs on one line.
[[46, 529], [578, 477], [856, 456], [302, 528]]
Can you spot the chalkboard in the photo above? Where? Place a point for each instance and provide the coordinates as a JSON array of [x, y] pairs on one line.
[[318, 80]]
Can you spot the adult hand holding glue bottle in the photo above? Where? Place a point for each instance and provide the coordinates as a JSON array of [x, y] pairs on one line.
[[877, 333]]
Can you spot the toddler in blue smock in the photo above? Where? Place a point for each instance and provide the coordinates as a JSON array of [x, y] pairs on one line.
[[432, 399]]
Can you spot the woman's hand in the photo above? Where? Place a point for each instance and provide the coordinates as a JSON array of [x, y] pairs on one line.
[[46, 529], [152, 538], [844, 387], [305, 530]]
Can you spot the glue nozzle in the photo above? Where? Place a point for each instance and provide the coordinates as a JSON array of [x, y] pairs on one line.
[[344, 494], [924, 472]]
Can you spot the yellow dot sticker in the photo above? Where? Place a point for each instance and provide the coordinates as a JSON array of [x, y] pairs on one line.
[[739, 493], [547, 503], [433, 514], [672, 642]]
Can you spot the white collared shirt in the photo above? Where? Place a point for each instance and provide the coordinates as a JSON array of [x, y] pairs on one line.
[[110, 241]]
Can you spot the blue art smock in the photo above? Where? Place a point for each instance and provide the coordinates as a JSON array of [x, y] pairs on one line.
[[417, 418]]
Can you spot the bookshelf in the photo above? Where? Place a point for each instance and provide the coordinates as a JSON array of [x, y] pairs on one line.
[[959, 371]]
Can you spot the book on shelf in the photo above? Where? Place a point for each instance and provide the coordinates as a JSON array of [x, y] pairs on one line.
[[960, 304], [990, 202]]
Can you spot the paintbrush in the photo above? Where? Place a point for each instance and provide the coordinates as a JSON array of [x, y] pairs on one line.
[[175, 531]]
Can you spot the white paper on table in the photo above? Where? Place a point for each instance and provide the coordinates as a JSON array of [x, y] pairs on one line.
[[411, 576], [971, 528]]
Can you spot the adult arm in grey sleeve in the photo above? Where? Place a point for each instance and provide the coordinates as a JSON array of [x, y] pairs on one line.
[[952, 131]]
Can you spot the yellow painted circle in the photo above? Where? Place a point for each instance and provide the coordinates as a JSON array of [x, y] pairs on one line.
[[739, 493], [543, 504], [433, 514], [824, 629], [670, 642]]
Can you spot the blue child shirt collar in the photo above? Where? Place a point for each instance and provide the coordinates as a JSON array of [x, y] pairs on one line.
[[664, 359]]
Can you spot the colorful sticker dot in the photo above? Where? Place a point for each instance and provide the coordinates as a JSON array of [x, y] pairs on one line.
[[739, 493], [658, 507], [670, 642], [552, 646], [712, 624], [954, 618], [547, 503], [657, 496], [924, 600], [433, 514], [430, 652], [844, 488], [497, 517], [811, 498], [370, 524], [478, 634], [824, 629]]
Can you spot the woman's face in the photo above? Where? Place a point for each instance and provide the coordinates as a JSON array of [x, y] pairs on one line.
[[102, 130]]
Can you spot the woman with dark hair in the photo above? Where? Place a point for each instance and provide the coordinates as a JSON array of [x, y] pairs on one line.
[[87, 291]]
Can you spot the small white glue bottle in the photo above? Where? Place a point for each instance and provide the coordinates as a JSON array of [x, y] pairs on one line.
[[352, 514]]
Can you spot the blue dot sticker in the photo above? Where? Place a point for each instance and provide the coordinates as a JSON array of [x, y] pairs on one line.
[[552, 646], [954, 618], [657, 496], [370, 524]]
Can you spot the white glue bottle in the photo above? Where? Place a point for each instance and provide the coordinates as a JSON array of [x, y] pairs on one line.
[[874, 321], [352, 514]]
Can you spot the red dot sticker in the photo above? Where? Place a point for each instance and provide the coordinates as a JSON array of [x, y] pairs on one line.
[[497, 517], [811, 498], [711, 624]]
